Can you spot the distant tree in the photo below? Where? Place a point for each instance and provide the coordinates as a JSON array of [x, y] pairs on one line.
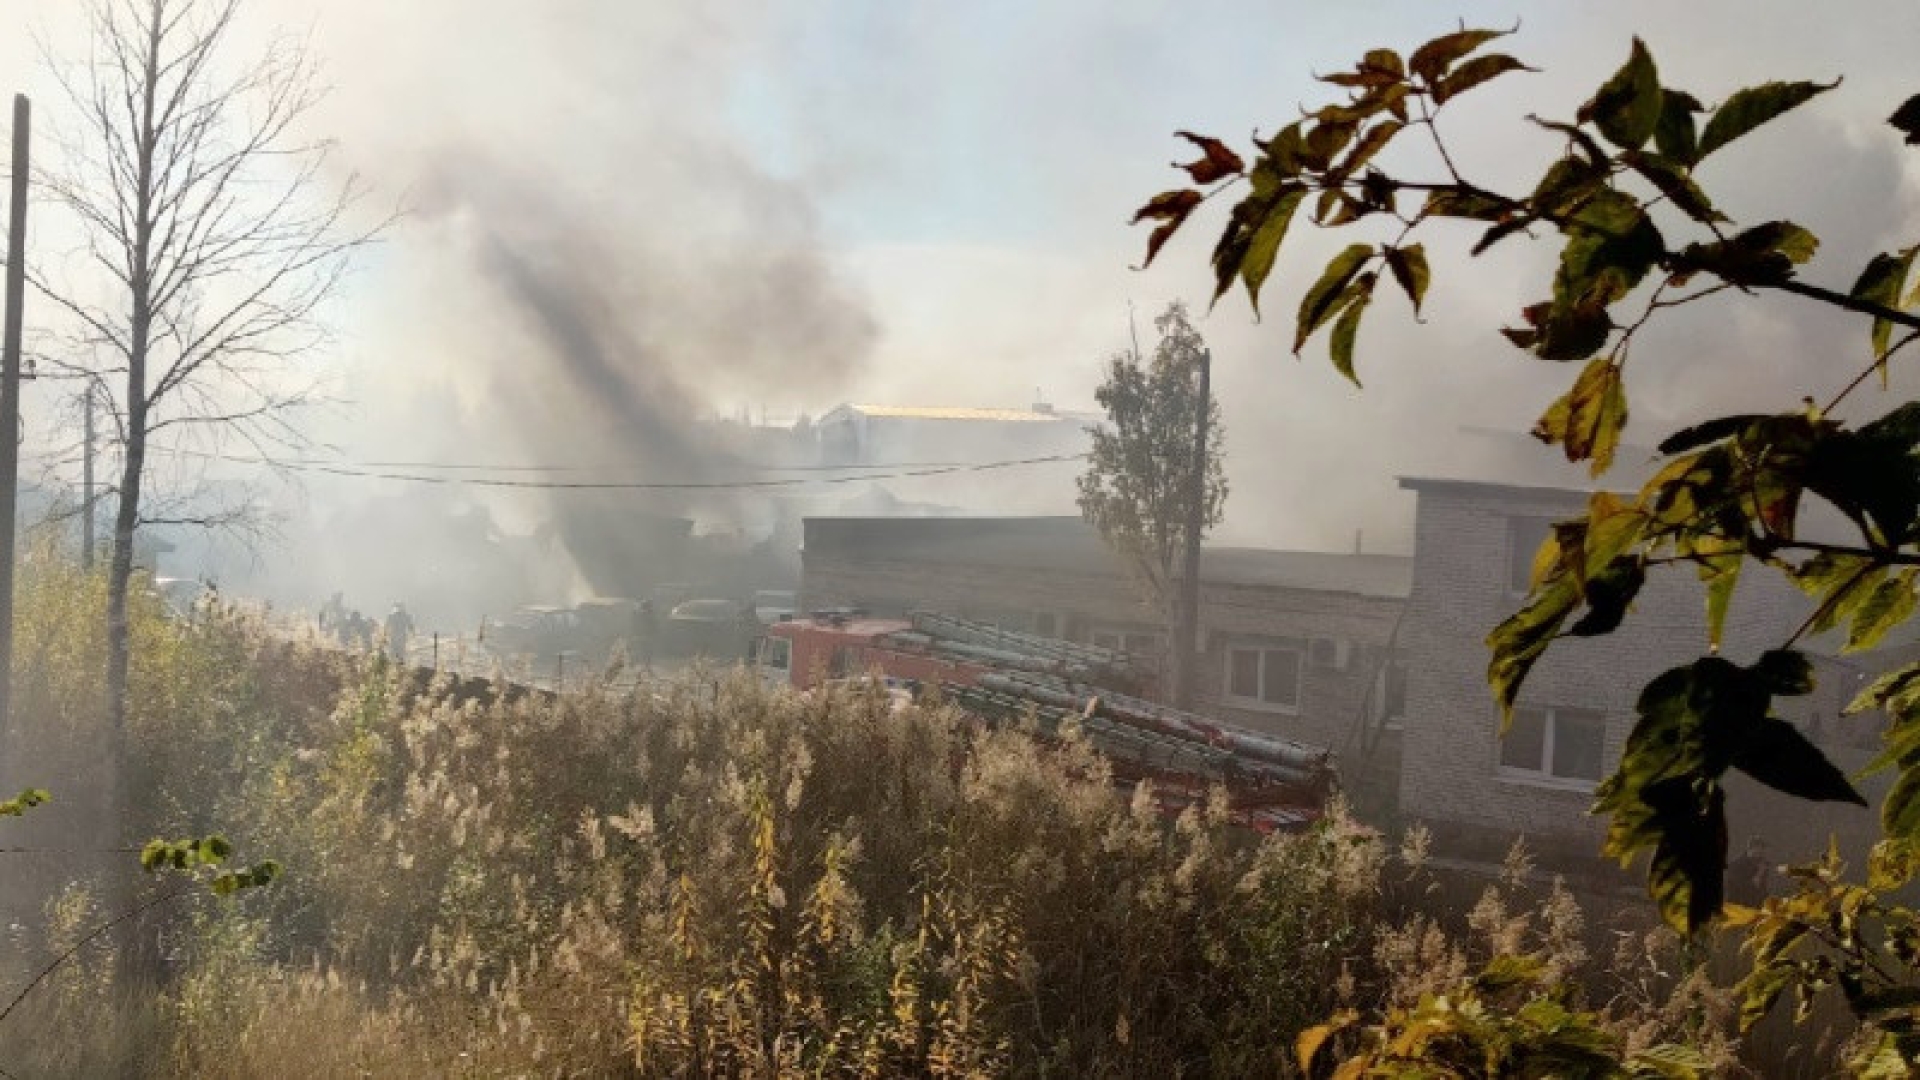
[[212, 239], [1639, 235], [1139, 488]]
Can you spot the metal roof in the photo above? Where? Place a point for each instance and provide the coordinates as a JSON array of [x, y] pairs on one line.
[[1070, 545], [946, 412]]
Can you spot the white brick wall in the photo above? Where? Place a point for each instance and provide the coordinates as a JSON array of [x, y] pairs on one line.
[[1450, 772]]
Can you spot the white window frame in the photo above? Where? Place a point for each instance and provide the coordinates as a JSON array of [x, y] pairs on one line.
[[1522, 587], [784, 648], [1340, 652], [1541, 777], [1258, 703], [1387, 721]]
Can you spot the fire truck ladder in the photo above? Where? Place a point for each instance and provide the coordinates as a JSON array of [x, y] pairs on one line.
[[1163, 753], [1284, 760], [986, 643]]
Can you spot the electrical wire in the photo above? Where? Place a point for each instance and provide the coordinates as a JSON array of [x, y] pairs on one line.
[[468, 467], [382, 473]]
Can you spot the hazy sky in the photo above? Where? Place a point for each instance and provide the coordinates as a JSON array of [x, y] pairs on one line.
[[797, 204]]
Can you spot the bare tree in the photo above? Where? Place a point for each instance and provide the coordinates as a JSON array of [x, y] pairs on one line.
[[211, 240], [1139, 488]]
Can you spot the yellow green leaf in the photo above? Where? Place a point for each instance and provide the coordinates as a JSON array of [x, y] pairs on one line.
[[1348, 325], [1409, 266], [1431, 60], [1748, 109], [1321, 300]]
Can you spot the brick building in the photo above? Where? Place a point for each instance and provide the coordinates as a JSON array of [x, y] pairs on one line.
[[1383, 658], [1297, 643], [1474, 544]]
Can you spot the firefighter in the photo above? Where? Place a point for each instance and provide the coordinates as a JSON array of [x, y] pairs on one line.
[[747, 624], [645, 630], [333, 614], [398, 628]]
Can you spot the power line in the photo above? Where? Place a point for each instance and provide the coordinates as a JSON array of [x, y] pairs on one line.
[[900, 473], [477, 467]]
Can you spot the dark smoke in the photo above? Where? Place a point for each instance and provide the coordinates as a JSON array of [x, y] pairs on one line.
[[632, 347]]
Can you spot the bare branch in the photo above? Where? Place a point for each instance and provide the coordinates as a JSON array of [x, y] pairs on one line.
[[213, 238]]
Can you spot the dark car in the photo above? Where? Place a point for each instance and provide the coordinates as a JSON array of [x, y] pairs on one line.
[[719, 629], [534, 630], [605, 621]]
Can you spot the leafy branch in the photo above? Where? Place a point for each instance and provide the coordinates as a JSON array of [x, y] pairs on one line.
[[1638, 236], [202, 858]]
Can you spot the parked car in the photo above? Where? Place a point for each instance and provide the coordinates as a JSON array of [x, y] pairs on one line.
[[604, 622], [720, 629], [180, 595], [669, 596], [775, 605], [536, 629]]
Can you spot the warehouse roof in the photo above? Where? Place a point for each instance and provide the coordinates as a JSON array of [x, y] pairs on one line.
[[1068, 544]]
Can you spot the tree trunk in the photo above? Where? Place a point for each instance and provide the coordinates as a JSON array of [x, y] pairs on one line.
[[1180, 643], [130, 955], [1186, 638], [126, 520]]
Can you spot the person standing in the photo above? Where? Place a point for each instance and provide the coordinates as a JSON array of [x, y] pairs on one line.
[[747, 630], [399, 628], [333, 614], [645, 628]]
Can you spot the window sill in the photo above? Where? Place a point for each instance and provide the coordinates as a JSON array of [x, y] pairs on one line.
[[1546, 782], [1255, 705]]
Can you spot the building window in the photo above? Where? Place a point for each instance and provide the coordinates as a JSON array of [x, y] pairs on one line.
[[1265, 678], [1391, 695], [1330, 652], [776, 653], [1555, 744], [1524, 537], [1137, 643]]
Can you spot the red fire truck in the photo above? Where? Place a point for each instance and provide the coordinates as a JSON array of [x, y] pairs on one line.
[[1006, 677]]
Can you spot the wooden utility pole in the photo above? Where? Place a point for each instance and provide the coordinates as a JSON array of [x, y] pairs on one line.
[[86, 487], [10, 398], [1187, 658]]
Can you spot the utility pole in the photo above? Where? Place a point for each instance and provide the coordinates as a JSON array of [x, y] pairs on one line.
[[10, 399], [1188, 626], [86, 486]]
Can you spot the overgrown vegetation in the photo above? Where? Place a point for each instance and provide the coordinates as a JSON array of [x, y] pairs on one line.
[[702, 878]]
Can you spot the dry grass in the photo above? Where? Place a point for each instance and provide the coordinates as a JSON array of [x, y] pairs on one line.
[[701, 878]]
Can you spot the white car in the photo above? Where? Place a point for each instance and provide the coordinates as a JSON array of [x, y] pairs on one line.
[[180, 595], [774, 605]]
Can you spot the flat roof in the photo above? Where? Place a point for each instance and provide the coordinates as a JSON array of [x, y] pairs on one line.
[[956, 412], [1483, 489], [1070, 545]]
